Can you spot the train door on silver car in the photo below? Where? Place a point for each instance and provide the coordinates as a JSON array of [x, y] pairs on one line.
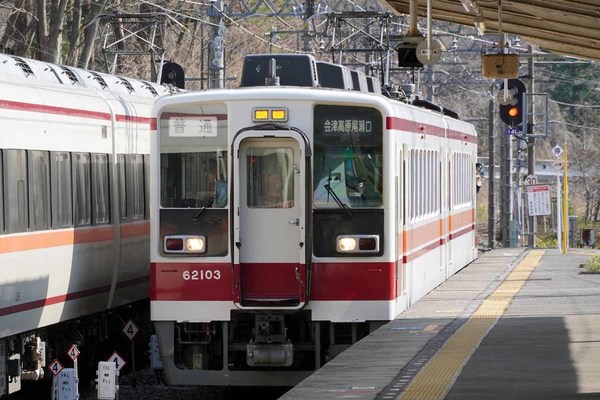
[[269, 221]]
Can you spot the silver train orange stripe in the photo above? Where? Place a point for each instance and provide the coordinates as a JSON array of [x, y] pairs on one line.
[[42, 240]]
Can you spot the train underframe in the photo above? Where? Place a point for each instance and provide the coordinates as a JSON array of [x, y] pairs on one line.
[[239, 352], [25, 357]]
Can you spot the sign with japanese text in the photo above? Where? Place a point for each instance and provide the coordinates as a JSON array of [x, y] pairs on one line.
[[347, 126], [193, 126], [538, 200]]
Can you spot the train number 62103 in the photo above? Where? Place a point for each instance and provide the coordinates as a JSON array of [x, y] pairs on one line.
[[201, 275]]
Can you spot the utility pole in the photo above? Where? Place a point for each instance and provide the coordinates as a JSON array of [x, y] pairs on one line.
[[310, 11], [216, 64], [491, 194], [506, 184], [530, 143]]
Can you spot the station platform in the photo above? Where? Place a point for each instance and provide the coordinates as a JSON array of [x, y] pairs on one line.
[[514, 324]]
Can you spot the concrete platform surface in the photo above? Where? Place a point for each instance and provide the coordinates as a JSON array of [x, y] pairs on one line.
[[514, 324]]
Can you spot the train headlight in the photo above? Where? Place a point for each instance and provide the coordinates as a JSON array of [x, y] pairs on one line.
[[357, 244], [346, 244], [182, 244], [195, 244]]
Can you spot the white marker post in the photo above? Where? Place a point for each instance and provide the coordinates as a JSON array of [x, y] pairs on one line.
[[55, 368], [107, 373]]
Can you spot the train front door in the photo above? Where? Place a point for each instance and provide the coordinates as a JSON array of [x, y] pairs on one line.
[[269, 219]]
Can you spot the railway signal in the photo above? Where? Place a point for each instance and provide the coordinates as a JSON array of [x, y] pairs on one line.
[[172, 74], [511, 109]]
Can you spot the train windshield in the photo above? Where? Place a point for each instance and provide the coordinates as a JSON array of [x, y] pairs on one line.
[[348, 161], [193, 156]]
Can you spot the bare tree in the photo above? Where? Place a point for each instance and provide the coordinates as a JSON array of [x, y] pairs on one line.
[[92, 8], [17, 28], [75, 32], [50, 39]]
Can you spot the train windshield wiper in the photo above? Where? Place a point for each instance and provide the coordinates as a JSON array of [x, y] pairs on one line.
[[206, 204], [339, 202]]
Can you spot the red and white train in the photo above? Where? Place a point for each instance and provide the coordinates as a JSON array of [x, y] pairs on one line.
[[74, 224], [289, 222]]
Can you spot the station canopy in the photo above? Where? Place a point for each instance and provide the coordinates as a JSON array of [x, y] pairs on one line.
[[568, 27]]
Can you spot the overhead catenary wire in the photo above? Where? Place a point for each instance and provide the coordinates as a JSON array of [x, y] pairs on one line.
[[574, 105]]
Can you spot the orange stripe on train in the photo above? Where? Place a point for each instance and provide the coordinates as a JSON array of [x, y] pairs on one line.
[[67, 237]]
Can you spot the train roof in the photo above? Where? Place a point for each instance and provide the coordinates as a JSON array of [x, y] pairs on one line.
[[319, 94], [14, 67]]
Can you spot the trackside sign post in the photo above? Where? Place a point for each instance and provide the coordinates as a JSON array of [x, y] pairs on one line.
[[538, 200], [131, 330]]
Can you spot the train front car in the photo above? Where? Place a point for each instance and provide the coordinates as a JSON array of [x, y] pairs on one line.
[[268, 227], [279, 226]]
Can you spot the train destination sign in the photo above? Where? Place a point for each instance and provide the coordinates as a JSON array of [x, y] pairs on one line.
[[193, 126], [347, 126]]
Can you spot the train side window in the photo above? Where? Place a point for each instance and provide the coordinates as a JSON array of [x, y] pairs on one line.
[[61, 189], [413, 174], [123, 210], [147, 186], [15, 190], [100, 190], [1, 196], [82, 204], [39, 189], [134, 169]]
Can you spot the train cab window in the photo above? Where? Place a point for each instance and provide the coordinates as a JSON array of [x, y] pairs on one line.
[[14, 168], [270, 177], [100, 191], [60, 182], [204, 179], [38, 163], [193, 159], [82, 203], [348, 160]]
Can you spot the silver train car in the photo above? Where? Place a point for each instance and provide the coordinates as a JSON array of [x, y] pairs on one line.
[[74, 224]]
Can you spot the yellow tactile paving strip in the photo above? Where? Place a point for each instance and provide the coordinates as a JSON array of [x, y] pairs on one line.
[[437, 377]]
